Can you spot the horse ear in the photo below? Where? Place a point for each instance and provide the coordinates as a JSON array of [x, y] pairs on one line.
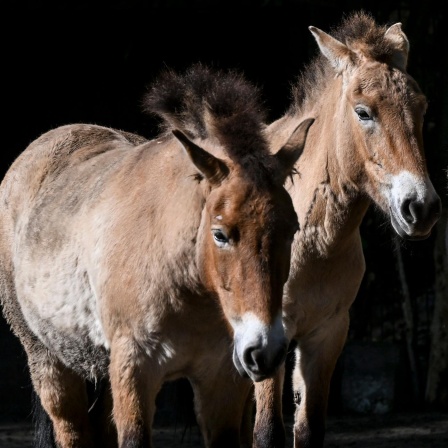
[[290, 152], [400, 43], [212, 168], [335, 51]]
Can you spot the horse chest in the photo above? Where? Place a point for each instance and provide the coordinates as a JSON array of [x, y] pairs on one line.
[[322, 288]]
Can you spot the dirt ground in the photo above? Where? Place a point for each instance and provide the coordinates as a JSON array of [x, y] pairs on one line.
[[394, 430], [422, 430]]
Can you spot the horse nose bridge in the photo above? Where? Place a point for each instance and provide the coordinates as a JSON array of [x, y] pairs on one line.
[[262, 294]]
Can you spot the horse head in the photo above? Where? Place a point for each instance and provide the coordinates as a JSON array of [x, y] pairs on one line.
[[248, 220], [384, 108]]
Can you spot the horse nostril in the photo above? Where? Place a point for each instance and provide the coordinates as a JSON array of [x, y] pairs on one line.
[[406, 210], [415, 211], [254, 359]]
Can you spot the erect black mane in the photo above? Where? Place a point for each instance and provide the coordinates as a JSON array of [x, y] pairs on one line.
[[361, 27], [210, 103]]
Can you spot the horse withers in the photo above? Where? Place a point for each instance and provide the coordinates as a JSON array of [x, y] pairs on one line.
[[134, 260], [365, 147]]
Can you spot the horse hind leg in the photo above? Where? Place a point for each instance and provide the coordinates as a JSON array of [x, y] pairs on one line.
[[43, 427], [60, 391], [104, 433], [269, 428], [62, 394], [61, 405]]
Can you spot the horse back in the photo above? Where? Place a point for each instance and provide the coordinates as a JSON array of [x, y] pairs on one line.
[[55, 151]]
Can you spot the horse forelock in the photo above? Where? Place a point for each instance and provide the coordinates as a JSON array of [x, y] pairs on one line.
[[244, 143], [360, 31], [219, 105]]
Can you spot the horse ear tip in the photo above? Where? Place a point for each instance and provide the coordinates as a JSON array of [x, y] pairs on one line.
[[308, 122], [178, 134]]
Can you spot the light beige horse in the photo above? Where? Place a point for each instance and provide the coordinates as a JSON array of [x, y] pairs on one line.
[[145, 261], [366, 146]]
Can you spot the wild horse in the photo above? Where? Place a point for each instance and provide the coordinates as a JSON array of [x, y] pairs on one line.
[[144, 261], [365, 147]]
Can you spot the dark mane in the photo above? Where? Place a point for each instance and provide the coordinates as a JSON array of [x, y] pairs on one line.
[[207, 103], [359, 27]]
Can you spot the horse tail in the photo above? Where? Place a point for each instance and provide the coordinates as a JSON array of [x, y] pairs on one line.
[[43, 427]]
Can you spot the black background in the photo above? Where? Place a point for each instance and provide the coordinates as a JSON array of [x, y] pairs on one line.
[[66, 62]]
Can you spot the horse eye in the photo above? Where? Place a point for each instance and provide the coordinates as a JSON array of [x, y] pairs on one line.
[[220, 237], [363, 114]]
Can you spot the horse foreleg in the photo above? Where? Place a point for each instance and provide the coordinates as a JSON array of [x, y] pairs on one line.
[[247, 425], [269, 430], [63, 396], [220, 401], [134, 388], [316, 359]]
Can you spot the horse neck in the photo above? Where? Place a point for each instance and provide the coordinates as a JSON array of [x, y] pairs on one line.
[[326, 189], [160, 181]]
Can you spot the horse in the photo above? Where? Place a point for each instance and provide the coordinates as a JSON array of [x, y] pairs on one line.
[[365, 148], [132, 260]]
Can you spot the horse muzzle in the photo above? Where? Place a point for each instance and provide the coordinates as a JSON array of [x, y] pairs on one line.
[[259, 350], [414, 208], [414, 220]]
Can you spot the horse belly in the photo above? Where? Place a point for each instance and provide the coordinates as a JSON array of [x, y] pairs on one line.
[[60, 307]]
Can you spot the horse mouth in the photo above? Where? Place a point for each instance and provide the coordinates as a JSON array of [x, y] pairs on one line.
[[254, 376]]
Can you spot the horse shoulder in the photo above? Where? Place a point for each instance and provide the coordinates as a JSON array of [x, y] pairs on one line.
[[148, 219]]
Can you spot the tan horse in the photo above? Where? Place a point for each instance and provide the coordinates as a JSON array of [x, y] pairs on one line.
[[134, 260], [365, 146]]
